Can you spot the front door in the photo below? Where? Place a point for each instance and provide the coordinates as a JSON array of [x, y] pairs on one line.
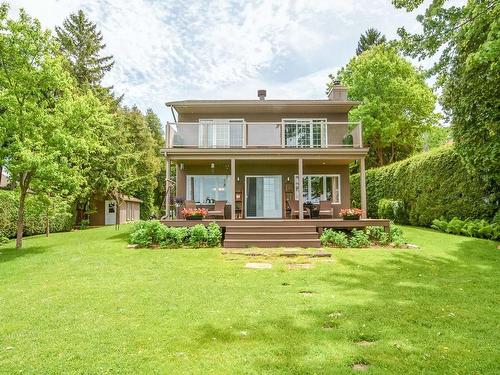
[[110, 212], [263, 197]]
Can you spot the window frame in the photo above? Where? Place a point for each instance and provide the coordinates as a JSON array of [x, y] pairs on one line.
[[217, 122], [227, 191], [323, 122], [308, 176]]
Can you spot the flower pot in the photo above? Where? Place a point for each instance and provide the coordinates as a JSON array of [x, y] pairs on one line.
[[351, 217], [194, 217]]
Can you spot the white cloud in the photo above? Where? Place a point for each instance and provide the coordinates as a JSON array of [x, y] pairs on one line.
[[168, 50]]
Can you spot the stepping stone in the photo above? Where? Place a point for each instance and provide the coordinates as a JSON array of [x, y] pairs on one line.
[[360, 367], [365, 343], [258, 266], [411, 246], [321, 254], [293, 253], [132, 246], [296, 266]]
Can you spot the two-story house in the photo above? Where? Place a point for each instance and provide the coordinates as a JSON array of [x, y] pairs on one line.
[[270, 160]]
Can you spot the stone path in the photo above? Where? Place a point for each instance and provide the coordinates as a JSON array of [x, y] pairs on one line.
[[258, 266]]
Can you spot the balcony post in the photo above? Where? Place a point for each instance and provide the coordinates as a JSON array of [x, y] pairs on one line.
[[360, 130], [245, 134], [167, 135], [282, 127], [233, 189], [301, 190], [167, 187], [362, 182]]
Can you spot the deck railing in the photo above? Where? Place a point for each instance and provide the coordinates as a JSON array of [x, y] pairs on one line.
[[241, 134]]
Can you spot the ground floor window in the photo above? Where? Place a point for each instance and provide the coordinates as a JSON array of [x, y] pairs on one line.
[[318, 188], [206, 189]]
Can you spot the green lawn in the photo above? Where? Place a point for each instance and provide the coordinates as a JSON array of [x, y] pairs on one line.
[[81, 302]]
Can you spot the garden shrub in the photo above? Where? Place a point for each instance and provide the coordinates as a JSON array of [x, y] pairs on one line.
[[378, 235], [396, 235], [331, 237], [470, 228], [35, 215], [359, 239], [154, 233], [198, 235], [393, 210], [214, 235], [431, 185]]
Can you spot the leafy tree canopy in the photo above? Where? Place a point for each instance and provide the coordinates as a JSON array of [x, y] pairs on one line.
[[397, 106], [466, 41], [48, 126], [370, 38], [83, 45]]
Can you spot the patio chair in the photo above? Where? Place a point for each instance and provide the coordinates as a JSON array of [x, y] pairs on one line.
[[294, 209], [325, 209], [218, 210]]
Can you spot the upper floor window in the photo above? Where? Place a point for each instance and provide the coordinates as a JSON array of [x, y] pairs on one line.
[[305, 132], [215, 133]]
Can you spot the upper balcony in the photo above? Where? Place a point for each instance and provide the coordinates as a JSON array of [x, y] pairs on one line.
[[289, 133]]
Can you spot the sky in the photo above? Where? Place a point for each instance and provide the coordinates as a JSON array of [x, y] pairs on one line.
[[168, 50]]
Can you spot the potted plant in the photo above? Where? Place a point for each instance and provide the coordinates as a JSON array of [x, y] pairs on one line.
[[350, 213], [194, 213]]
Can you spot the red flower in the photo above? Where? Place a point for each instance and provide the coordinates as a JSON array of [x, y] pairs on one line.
[[186, 212], [350, 212]]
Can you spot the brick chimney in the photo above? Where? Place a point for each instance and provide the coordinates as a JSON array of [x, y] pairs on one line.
[[337, 93], [261, 94]]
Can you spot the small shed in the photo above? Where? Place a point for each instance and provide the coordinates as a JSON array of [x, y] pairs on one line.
[[105, 211]]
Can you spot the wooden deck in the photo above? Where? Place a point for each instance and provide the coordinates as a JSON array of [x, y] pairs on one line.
[[320, 224], [277, 232]]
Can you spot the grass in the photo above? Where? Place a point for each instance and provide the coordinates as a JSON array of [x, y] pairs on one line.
[[81, 302]]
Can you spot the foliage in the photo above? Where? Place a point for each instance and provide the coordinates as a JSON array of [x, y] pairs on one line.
[[393, 210], [435, 136], [83, 44], [359, 239], [471, 228], [154, 233], [466, 41], [38, 211], [378, 235], [214, 235], [196, 212], [431, 185], [198, 235], [397, 105], [370, 38], [331, 237], [396, 235], [350, 212], [49, 127]]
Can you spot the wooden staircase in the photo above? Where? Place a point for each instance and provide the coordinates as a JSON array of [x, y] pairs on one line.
[[271, 234]]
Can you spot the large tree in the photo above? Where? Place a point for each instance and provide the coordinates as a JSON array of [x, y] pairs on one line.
[[371, 37], [397, 105], [83, 44], [466, 41], [48, 126]]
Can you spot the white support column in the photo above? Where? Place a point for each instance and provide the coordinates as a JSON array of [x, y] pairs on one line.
[[301, 190], [233, 188], [362, 183], [167, 187]]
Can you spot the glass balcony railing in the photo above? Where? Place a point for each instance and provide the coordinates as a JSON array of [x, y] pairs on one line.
[[286, 134]]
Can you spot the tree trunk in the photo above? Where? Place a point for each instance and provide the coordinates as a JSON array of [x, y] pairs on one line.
[[20, 218], [380, 156]]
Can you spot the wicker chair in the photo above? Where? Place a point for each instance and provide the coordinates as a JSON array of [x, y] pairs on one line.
[[218, 210], [294, 209], [326, 209]]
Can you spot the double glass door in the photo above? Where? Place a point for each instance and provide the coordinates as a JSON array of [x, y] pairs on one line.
[[263, 197]]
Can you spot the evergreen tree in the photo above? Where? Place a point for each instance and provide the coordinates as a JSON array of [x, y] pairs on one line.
[[370, 38], [83, 44]]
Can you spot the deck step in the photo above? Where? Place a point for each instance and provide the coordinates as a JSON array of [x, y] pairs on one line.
[[270, 229], [242, 243], [271, 235]]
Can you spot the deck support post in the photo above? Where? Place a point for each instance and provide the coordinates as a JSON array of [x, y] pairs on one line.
[[301, 190], [233, 188], [167, 187], [362, 182]]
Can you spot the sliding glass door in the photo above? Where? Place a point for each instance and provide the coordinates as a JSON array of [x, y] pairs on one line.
[[263, 197]]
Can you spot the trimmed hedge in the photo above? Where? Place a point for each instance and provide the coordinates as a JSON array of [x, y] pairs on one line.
[[61, 217], [432, 185]]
